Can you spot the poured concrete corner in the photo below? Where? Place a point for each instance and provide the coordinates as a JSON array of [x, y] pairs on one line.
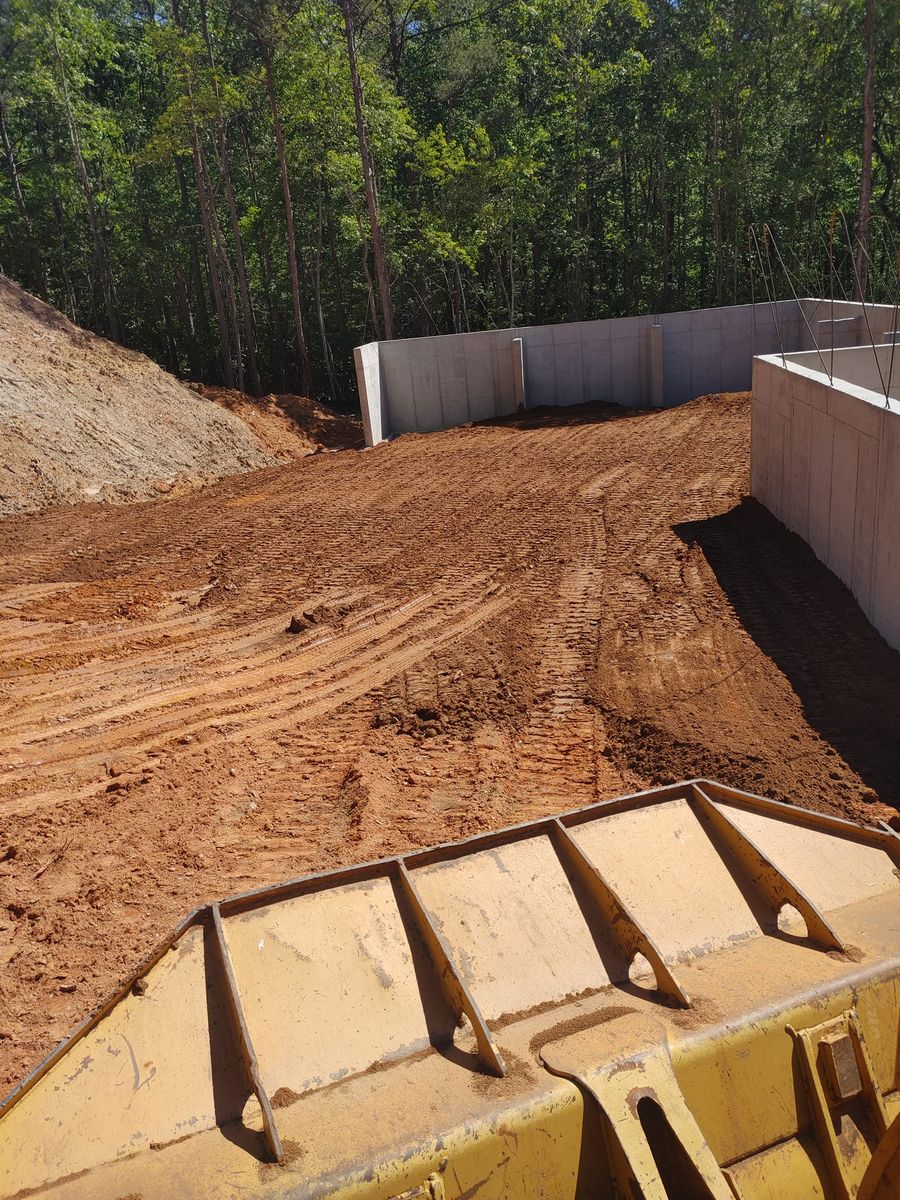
[[825, 460]]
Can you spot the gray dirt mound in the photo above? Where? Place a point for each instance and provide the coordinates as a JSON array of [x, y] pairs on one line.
[[83, 419]]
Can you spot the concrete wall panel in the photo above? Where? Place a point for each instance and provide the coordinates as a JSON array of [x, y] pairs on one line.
[[540, 365], [396, 376], [706, 359], [426, 386], [452, 375], [568, 343], [864, 521], [825, 459], [502, 366], [820, 462], [759, 451], [479, 359], [676, 364], [798, 473], [596, 362], [777, 443], [885, 611], [625, 364], [736, 348], [842, 516], [655, 351]]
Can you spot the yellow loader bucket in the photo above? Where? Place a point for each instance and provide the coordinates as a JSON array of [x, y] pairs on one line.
[[688, 992]]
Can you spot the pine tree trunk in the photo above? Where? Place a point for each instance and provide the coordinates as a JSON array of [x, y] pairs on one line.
[[40, 277], [204, 332], [865, 181], [247, 321], [101, 253], [276, 357], [662, 158], [186, 316], [369, 181], [302, 352], [335, 266], [64, 255], [225, 273], [317, 282], [212, 264]]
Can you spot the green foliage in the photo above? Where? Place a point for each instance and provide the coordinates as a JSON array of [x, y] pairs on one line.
[[537, 160]]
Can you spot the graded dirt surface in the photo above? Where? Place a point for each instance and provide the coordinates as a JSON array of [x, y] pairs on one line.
[[491, 624], [84, 419]]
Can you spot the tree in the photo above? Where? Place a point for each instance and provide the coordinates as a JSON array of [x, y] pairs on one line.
[[868, 133], [249, 188], [370, 184]]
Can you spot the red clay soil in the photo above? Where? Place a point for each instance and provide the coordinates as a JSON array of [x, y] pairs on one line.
[[490, 624], [288, 426]]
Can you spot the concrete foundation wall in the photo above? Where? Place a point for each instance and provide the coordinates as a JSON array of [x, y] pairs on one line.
[[845, 323], [376, 420], [825, 459], [434, 382], [874, 368]]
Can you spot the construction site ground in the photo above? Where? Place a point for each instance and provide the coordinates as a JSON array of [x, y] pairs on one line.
[[486, 625]]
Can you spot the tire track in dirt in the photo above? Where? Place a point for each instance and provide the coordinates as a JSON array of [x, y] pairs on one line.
[[307, 683], [557, 750], [560, 752]]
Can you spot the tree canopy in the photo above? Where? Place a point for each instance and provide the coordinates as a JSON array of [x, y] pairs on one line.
[[245, 189]]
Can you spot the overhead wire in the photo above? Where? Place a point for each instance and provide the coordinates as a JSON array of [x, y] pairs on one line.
[[787, 273], [752, 293], [890, 377], [831, 281], [862, 298], [769, 296]]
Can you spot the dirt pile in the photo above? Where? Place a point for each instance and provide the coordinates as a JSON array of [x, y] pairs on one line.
[[289, 426], [490, 624], [84, 419]]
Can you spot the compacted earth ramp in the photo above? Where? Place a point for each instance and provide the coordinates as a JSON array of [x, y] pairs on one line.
[[362, 653], [82, 418]]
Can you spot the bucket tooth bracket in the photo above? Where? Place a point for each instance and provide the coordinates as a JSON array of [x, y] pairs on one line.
[[623, 928], [648, 1123], [242, 1035], [832, 1085], [454, 987], [773, 888]]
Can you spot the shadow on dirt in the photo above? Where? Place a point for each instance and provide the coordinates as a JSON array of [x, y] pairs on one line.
[[548, 416], [808, 623]]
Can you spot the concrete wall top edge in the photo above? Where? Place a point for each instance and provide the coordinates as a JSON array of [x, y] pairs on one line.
[[651, 318], [789, 362]]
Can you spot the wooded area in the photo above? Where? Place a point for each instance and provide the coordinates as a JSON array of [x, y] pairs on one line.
[[245, 189]]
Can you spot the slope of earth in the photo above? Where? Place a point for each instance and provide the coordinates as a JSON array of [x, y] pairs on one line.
[[289, 426], [487, 625], [82, 418]]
